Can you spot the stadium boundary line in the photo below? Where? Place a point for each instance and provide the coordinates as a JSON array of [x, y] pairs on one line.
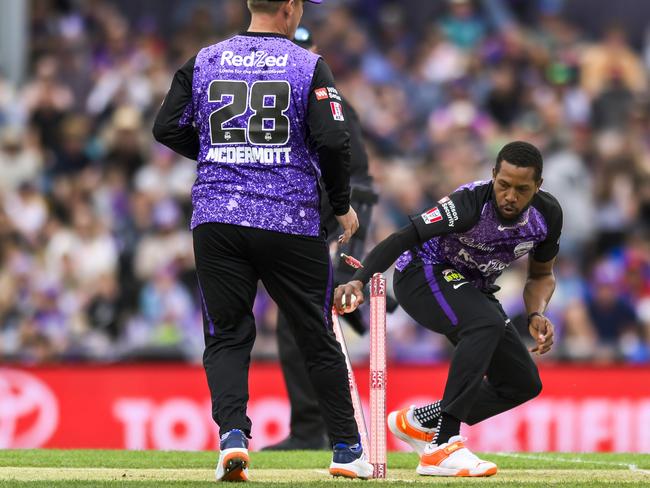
[[516, 455]]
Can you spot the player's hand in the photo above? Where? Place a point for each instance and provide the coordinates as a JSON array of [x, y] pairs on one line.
[[350, 224], [348, 297], [541, 329]]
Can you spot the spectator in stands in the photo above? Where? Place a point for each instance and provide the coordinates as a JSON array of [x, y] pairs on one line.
[[93, 225], [462, 25], [613, 318], [19, 163], [612, 57]]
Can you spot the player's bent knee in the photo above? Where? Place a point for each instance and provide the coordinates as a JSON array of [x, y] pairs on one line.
[[493, 326], [533, 388], [536, 387]]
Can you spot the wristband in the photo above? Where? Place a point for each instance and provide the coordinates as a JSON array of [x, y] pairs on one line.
[[531, 315]]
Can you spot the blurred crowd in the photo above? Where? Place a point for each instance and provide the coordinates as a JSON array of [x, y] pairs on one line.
[[96, 259]]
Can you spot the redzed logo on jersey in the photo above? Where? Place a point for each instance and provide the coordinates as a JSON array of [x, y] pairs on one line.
[[321, 93], [337, 111], [431, 216]]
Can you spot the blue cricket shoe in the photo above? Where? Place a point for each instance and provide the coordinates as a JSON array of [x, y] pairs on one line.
[[349, 461]]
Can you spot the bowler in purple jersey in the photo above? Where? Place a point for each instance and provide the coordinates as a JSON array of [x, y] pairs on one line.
[[448, 259], [263, 119]]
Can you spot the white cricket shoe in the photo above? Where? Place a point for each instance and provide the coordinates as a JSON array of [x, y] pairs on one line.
[[406, 428], [233, 457], [350, 462], [453, 459]]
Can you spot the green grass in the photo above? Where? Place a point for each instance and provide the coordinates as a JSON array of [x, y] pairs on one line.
[[317, 484], [139, 469], [297, 459]]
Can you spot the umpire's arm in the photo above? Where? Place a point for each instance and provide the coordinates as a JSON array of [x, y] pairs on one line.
[[329, 136], [173, 126]]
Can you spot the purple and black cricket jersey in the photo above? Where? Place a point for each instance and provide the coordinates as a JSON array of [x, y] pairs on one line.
[[466, 232], [255, 166]]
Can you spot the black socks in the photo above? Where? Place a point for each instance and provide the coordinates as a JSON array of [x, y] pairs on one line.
[[429, 415], [432, 417], [448, 426]]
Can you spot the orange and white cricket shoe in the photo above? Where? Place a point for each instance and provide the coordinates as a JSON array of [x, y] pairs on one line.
[[403, 425], [453, 459], [233, 457]]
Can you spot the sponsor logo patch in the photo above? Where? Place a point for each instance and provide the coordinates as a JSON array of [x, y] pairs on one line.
[[337, 111], [471, 242], [321, 93], [431, 216], [491, 267], [257, 59], [333, 93], [452, 275], [523, 248], [450, 210]]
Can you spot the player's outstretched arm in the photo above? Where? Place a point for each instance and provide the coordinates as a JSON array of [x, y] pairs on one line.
[[378, 260], [537, 293]]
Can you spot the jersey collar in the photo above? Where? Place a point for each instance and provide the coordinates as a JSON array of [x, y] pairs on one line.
[[263, 34]]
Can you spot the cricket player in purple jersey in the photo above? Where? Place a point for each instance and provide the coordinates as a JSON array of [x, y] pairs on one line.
[[257, 113], [451, 256], [307, 428]]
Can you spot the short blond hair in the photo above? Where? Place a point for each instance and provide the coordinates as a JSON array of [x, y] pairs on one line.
[[264, 6]]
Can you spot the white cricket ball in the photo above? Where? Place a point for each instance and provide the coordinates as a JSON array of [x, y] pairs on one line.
[[353, 300]]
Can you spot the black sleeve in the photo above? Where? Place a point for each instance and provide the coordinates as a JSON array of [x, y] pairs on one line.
[[173, 126], [329, 136], [456, 213], [359, 157], [386, 252], [549, 247]]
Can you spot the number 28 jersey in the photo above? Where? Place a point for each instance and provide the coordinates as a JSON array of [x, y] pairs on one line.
[[256, 167]]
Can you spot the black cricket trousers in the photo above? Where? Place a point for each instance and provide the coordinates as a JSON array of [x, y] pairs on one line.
[[306, 420], [297, 273], [491, 370]]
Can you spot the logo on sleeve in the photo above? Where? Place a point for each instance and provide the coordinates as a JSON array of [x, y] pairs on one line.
[[337, 111], [450, 211], [321, 93], [432, 216], [333, 93]]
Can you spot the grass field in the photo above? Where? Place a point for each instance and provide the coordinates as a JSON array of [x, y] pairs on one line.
[[138, 469]]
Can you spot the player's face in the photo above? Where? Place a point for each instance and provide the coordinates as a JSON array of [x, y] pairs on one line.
[[514, 188], [295, 17]]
